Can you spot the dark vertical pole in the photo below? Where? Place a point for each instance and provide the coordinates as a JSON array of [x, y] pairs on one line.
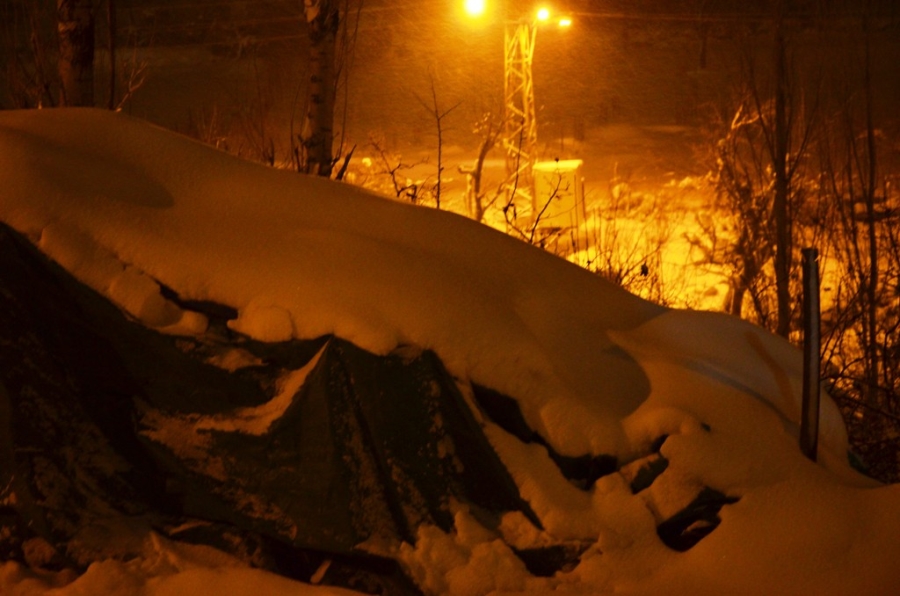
[[809, 423], [111, 23]]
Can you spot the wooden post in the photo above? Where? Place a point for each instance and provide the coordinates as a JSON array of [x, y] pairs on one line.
[[809, 422]]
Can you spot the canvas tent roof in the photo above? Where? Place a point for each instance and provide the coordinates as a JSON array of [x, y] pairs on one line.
[[104, 422]]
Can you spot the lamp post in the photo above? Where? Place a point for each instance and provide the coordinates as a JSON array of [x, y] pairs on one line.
[[519, 116]]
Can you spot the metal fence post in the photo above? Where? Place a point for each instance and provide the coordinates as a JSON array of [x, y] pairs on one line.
[[809, 421]]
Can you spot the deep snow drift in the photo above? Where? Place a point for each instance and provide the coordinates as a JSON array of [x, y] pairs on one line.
[[125, 206]]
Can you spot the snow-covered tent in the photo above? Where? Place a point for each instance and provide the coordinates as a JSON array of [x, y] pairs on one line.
[[340, 388], [105, 421]]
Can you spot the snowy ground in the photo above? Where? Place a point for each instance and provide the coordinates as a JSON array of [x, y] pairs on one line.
[[123, 205], [641, 197]]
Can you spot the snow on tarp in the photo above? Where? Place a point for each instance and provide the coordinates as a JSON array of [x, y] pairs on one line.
[[593, 370], [351, 448], [306, 257]]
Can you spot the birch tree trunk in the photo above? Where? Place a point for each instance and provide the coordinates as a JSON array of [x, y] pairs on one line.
[[323, 18], [75, 28]]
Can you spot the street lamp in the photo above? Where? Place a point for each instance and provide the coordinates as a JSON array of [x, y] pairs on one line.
[[520, 121], [475, 8], [519, 118]]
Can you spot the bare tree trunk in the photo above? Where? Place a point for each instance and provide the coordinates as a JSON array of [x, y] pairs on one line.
[[75, 27], [111, 25], [871, 286], [323, 18], [779, 165]]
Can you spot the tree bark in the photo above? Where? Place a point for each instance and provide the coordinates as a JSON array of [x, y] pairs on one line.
[[323, 18], [871, 178], [780, 205], [112, 27], [75, 28]]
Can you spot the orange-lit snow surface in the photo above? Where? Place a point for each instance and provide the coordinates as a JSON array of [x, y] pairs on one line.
[[122, 204]]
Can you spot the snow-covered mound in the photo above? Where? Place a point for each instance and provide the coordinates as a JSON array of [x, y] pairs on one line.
[[706, 402]]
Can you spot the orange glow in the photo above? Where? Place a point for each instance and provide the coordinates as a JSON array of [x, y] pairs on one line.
[[543, 14], [565, 22]]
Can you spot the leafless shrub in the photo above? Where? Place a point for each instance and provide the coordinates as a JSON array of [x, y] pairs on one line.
[[625, 239], [210, 126], [387, 173], [478, 201], [439, 114], [862, 323], [30, 47]]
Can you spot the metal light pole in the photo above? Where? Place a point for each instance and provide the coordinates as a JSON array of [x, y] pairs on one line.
[[809, 419], [519, 120]]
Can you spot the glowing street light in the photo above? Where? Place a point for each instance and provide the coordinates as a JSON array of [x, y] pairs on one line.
[[544, 15], [475, 8]]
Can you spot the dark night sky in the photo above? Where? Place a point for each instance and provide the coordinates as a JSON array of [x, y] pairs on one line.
[[637, 61]]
